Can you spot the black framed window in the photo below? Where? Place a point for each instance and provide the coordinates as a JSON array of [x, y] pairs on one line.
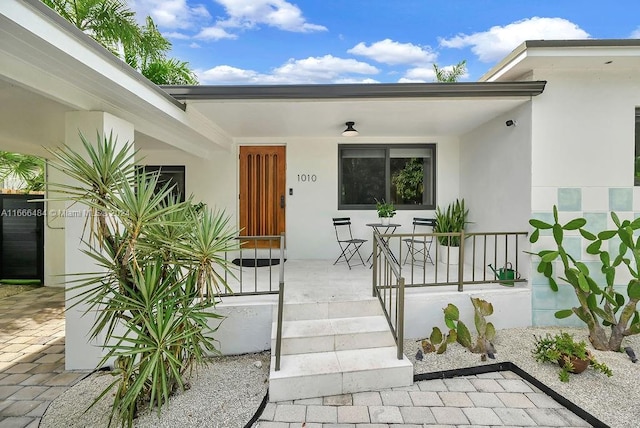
[[401, 174], [174, 174]]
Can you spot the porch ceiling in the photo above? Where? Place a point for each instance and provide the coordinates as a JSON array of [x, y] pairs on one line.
[[321, 118]]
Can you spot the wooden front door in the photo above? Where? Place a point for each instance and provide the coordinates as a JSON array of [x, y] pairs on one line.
[[262, 192]]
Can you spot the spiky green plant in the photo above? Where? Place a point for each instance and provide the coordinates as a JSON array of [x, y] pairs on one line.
[[161, 263], [451, 219], [610, 315]]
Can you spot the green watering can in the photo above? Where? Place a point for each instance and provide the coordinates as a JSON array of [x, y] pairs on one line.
[[506, 275]]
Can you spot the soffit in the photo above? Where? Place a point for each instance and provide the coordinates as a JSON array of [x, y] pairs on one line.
[[246, 119], [578, 55], [49, 58]]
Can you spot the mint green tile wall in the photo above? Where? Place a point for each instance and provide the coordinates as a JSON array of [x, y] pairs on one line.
[[544, 301], [620, 199], [569, 199]]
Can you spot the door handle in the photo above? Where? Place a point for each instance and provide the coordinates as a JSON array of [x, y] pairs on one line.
[[282, 201]]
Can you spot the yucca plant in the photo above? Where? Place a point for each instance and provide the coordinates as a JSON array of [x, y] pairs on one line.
[[161, 264]]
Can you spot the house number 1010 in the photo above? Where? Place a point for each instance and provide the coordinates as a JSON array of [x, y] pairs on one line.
[[307, 177]]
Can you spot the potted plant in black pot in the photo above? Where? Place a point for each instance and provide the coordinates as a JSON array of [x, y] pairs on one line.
[[452, 219], [386, 210], [572, 356]]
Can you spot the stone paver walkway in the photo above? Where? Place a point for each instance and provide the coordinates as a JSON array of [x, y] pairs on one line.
[[32, 375], [499, 399], [32, 370]]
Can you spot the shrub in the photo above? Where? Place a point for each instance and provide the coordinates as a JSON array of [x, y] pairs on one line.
[[159, 262]]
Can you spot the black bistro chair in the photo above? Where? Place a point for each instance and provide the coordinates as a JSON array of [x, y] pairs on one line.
[[349, 246], [418, 247]]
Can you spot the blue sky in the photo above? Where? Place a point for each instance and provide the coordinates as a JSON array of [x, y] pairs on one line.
[[369, 41]]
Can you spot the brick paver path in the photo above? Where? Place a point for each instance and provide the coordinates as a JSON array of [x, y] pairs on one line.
[[500, 399], [32, 370]]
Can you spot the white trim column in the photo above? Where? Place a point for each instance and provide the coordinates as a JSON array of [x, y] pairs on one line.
[[81, 353]]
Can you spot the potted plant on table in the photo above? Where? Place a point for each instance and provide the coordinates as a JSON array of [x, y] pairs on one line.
[[571, 356], [453, 219], [386, 210]]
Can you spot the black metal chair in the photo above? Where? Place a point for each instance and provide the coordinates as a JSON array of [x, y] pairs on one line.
[[419, 247], [349, 245]]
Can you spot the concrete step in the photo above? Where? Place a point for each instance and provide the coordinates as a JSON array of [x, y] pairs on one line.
[[339, 372], [330, 309], [333, 334]]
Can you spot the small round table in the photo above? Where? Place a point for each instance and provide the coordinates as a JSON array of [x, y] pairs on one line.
[[384, 229]]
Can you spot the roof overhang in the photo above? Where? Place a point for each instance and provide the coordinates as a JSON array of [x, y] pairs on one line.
[[586, 54], [50, 67], [379, 110]]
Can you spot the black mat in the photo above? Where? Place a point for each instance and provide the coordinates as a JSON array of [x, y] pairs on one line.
[[256, 262]]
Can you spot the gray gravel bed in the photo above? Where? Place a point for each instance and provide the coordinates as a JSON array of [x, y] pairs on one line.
[[614, 400], [225, 393]]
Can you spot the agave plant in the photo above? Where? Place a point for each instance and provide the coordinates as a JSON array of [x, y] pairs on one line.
[[161, 269]]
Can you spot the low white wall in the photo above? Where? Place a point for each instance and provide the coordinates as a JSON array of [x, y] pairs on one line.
[[423, 310], [247, 324]]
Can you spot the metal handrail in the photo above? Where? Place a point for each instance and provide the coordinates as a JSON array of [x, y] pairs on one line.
[[280, 306], [261, 276], [383, 283], [487, 241], [387, 270]]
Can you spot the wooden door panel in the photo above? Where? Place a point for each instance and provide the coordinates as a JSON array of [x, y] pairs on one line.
[[262, 191]]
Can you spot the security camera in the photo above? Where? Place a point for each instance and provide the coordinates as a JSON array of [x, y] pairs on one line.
[[510, 122]]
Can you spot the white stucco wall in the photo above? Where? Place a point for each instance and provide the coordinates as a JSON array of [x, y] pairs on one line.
[[495, 173], [81, 352], [582, 161], [309, 230]]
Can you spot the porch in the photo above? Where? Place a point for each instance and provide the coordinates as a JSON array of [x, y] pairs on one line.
[[335, 329]]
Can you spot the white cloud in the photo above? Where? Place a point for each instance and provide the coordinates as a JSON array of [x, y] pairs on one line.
[[494, 44], [194, 45], [275, 13], [419, 75], [321, 69], [176, 35], [326, 69], [390, 52], [173, 14], [635, 34], [225, 74], [215, 33]]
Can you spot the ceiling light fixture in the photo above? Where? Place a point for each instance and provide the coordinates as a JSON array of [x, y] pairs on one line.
[[350, 131]]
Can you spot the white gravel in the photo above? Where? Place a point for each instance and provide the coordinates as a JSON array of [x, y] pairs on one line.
[[225, 393], [228, 392]]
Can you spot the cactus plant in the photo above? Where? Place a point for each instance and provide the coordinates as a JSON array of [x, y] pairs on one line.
[[459, 332], [609, 315]]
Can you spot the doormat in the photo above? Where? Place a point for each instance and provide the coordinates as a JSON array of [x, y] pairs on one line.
[[256, 262]]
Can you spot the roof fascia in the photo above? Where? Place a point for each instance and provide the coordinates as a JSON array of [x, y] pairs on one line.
[[554, 47], [90, 43], [358, 91]]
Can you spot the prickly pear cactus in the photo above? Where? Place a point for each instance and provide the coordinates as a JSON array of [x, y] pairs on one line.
[[459, 332], [609, 314]]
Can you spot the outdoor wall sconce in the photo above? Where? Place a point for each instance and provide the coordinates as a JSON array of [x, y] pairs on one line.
[[350, 131], [511, 122]]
